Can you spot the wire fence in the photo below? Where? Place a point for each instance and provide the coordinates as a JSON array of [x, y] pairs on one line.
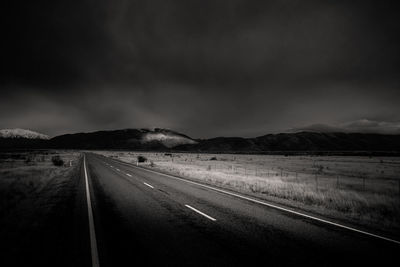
[[315, 177], [318, 180]]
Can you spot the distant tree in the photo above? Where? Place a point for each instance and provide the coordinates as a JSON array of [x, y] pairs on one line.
[[57, 161], [28, 159], [141, 159]]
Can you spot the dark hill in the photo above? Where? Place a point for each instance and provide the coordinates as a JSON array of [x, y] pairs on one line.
[[134, 139], [22, 143], [302, 141]]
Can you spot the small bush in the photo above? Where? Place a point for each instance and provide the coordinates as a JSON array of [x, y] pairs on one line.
[[141, 159], [57, 161], [28, 159], [213, 158]]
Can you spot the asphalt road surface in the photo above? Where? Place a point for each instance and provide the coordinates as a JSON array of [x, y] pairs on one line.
[[144, 218]]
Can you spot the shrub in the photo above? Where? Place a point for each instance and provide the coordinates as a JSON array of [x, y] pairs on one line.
[[213, 158], [28, 159], [57, 161], [141, 159]]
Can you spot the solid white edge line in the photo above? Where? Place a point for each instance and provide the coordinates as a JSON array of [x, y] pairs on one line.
[[93, 242], [272, 205], [149, 185], [201, 213]]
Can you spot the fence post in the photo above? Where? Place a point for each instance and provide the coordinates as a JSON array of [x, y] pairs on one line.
[[316, 182]]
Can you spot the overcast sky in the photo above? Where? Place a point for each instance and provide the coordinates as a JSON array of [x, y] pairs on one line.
[[205, 68]]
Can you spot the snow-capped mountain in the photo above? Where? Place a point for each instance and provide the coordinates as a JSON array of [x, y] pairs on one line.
[[22, 133]]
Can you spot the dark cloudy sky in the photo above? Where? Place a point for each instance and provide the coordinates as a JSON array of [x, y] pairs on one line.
[[205, 68]]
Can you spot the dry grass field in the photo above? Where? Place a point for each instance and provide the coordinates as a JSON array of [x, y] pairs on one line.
[[363, 190], [36, 207], [30, 182]]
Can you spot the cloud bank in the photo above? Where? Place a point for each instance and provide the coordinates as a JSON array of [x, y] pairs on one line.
[[358, 126]]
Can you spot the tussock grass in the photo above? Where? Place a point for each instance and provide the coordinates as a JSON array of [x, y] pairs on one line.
[[23, 181], [35, 201]]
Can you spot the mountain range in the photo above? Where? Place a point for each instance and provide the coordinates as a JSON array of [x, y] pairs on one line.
[[168, 140]]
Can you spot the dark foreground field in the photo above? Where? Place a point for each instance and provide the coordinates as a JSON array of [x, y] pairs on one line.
[[145, 218], [43, 220]]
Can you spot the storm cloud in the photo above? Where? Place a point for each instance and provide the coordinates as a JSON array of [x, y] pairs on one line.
[[205, 68]]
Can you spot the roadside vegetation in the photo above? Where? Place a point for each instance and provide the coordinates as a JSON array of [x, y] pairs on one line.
[[57, 160], [28, 176], [362, 190], [32, 186]]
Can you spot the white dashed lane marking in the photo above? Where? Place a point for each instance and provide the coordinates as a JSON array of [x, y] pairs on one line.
[[149, 185], [201, 213]]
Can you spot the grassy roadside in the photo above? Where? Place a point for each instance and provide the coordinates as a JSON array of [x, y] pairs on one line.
[[377, 208], [33, 200], [30, 177]]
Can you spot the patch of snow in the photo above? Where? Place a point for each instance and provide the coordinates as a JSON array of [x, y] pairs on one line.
[[22, 133]]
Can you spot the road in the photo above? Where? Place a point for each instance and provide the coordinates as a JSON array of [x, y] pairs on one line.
[[145, 218]]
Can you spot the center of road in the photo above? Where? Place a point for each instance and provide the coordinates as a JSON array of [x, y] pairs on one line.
[[187, 206]]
